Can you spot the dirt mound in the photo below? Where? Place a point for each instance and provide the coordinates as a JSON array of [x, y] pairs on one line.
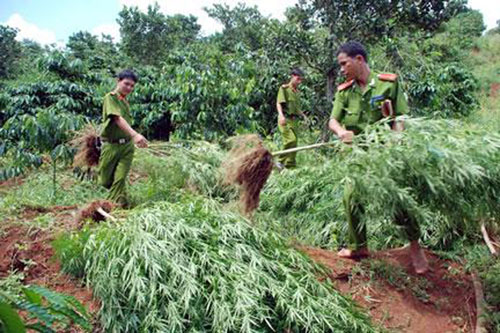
[[386, 285]]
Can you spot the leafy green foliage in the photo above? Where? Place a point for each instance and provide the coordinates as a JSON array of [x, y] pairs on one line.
[[193, 266], [224, 84], [486, 63], [148, 37], [10, 49], [206, 94], [40, 117], [68, 249], [47, 311], [434, 71], [188, 165], [31, 135], [10, 322], [242, 24], [446, 175], [463, 29], [185, 263], [443, 92], [317, 28], [100, 54]]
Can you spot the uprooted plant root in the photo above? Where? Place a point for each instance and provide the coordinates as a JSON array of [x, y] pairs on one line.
[[249, 166], [86, 141], [91, 211]]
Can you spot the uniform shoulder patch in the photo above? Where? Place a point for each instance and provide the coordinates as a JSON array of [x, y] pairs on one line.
[[345, 85], [388, 77]]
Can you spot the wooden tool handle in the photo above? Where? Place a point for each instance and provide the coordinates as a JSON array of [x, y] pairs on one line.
[[293, 150]]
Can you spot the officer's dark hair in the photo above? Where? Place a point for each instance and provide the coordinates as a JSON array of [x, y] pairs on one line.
[[352, 49], [127, 74], [297, 71]]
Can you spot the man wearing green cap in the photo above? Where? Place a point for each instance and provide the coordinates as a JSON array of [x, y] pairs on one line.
[[363, 99], [118, 139], [289, 108]]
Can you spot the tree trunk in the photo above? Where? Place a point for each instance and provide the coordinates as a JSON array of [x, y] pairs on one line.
[[331, 76], [163, 128]]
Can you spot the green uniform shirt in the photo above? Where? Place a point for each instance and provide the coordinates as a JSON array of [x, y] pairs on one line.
[[356, 109], [290, 98], [114, 106]]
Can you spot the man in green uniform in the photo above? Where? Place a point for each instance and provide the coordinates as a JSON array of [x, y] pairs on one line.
[[288, 106], [363, 99], [118, 139]]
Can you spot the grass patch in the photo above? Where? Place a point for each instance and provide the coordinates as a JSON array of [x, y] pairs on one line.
[[36, 191], [396, 276]]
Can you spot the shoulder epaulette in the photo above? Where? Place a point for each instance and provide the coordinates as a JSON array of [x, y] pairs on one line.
[[345, 85], [388, 77], [284, 86]]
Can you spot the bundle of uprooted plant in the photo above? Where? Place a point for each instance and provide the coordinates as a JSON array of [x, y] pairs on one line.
[[86, 141], [249, 165]]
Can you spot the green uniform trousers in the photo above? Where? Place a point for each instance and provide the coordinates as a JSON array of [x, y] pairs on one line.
[[357, 229], [289, 138], [114, 166]]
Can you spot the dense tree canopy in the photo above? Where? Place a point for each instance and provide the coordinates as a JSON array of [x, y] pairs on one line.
[[9, 50], [148, 37], [211, 87]]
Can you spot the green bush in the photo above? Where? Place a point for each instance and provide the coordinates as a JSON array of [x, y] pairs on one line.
[[443, 92]]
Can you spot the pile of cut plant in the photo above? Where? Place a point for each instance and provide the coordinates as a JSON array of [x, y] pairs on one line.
[[192, 266], [444, 172]]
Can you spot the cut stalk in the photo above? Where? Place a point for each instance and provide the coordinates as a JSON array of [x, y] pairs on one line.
[[488, 241]]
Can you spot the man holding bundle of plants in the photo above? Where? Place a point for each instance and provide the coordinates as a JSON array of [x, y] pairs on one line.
[[289, 109], [363, 99], [118, 139]]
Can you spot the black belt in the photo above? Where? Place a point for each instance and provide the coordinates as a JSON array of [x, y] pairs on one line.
[[121, 141]]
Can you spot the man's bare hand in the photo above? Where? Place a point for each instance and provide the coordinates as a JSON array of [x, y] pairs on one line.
[[398, 126], [346, 136], [140, 141], [281, 120]]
